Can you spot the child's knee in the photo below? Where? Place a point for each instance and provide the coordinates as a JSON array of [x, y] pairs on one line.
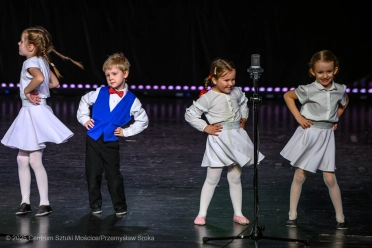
[[329, 179]]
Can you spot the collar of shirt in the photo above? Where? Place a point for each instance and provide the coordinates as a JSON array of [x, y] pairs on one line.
[[319, 86]]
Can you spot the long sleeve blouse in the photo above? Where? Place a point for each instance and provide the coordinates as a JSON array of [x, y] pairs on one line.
[[217, 107]]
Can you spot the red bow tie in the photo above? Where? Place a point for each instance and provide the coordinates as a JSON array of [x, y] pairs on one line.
[[113, 91]]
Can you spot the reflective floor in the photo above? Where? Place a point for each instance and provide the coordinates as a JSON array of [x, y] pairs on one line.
[[163, 180]]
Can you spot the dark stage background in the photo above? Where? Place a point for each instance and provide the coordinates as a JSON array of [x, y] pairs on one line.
[[173, 42]]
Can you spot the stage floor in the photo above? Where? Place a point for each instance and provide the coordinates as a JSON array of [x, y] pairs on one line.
[[163, 180]]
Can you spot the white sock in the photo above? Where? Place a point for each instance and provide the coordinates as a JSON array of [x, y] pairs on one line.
[[235, 186], [296, 188], [335, 194], [24, 175], [213, 177], [40, 175]]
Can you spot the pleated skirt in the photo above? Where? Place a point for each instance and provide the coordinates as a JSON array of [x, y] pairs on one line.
[[311, 149], [231, 146]]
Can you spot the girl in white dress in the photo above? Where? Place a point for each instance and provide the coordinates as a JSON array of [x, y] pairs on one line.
[[35, 124], [312, 146], [228, 144]]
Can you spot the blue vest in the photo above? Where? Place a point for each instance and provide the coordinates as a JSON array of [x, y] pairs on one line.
[[105, 122]]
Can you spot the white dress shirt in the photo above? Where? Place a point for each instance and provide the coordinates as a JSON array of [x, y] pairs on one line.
[[139, 114]]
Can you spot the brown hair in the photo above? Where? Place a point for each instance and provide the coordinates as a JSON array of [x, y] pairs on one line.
[[116, 59], [219, 68], [323, 55], [42, 40]]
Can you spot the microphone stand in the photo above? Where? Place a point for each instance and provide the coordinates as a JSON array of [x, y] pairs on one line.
[[256, 232]]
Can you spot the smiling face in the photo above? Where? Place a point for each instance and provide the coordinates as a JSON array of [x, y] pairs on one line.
[[324, 72], [115, 77], [225, 83]]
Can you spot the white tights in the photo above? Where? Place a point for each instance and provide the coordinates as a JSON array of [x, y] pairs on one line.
[[26, 159], [213, 177], [333, 189]]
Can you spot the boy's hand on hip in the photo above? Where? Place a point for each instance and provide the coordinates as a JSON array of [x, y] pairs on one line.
[[89, 124], [119, 132]]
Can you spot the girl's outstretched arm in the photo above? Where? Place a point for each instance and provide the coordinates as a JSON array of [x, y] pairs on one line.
[[289, 98]]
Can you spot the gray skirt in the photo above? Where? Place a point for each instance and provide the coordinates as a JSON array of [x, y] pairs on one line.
[[313, 148]]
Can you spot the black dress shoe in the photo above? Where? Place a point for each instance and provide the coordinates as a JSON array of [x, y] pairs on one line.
[[24, 209], [291, 223], [43, 210], [343, 225], [121, 211], [96, 210]]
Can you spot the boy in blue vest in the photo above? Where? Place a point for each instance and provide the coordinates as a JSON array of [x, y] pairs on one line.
[[113, 107]]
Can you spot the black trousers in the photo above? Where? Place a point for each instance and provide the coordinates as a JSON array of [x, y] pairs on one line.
[[104, 157]]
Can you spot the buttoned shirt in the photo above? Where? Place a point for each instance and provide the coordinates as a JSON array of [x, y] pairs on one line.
[[320, 104]]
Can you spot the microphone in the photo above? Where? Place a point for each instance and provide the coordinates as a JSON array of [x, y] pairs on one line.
[[255, 70]]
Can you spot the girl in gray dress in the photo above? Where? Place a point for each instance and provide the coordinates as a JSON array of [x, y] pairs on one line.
[[312, 146]]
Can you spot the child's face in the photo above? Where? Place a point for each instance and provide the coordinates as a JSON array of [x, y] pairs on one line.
[[324, 72], [226, 83], [116, 78], [25, 49]]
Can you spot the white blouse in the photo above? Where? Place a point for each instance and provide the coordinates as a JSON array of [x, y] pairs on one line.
[[217, 107], [26, 77], [319, 104]]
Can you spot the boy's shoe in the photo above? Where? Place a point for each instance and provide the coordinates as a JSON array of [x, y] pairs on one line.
[[43, 210], [24, 209], [200, 221], [241, 220], [291, 223], [96, 210], [121, 211], [343, 225]]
